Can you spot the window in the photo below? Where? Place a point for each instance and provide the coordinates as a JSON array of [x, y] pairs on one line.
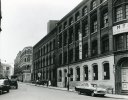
[[70, 35], [77, 32], [95, 72], [65, 57], [71, 74], [60, 40], [60, 76], [119, 42], [119, 14], [65, 25], [85, 28], [77, 53], [65, 38], [60, 59], [105, 44], [85, 50], [77, 16], [84, 11], [93, 5], [127, 11], [106, 72], [95, 26], [85, 72], [70, 55], [60, 28], [105, 17], [77, 74], [71, 21], [127, 41], [94, 48]]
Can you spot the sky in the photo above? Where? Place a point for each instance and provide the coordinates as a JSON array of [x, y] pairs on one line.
[[24, 23]]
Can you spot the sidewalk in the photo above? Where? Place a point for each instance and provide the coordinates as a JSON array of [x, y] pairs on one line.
[[72, 90]]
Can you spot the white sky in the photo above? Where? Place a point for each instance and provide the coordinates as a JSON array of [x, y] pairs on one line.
[[24, 22]]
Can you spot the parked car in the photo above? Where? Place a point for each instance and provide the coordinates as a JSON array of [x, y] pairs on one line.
[[14, 83], [90, 89], [4, 85]]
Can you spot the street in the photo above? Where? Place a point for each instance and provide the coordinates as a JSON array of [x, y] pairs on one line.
[[32, 92]]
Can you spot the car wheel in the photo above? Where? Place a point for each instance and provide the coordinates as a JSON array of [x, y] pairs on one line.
[[8, 90], [0, 92], [79, 92], [102, 95], [92, 94]]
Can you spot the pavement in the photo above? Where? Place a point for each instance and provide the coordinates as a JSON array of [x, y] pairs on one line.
[[116, 96]]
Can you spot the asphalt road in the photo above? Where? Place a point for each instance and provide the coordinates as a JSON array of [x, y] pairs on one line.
[[31, 92]]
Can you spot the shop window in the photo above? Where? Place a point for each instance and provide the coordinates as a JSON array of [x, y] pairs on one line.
[[95, 72], [71, 74], [106, 72], [85, 73], [77, 74], [94, 48], [119, 14], [105, 44]]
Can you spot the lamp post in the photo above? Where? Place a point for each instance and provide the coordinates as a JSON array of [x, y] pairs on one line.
[[68, 64]]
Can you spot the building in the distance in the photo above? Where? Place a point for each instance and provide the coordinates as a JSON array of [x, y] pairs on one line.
[[23, 64], [5, 70], [91, 45]]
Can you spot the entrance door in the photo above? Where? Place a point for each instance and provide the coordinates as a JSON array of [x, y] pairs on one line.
[[124, 79]]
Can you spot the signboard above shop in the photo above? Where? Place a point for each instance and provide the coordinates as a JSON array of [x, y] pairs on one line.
[[121, 28]]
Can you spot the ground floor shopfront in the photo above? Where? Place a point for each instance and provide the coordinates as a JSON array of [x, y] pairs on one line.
[[110, 72], [99, 71]]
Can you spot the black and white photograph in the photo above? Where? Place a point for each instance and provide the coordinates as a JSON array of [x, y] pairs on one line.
[[63, 49]]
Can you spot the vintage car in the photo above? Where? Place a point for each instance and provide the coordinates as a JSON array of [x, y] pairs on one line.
[[14, 83], [4, 85], [90, 89]]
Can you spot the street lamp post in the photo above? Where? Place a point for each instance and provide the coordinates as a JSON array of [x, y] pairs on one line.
[[68, 64]]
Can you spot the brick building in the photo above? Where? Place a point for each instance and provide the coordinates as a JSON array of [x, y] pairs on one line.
[[91, 44]]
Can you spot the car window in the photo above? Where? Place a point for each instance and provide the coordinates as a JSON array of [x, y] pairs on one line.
[[85, 84], [6, 82], [1, 82]]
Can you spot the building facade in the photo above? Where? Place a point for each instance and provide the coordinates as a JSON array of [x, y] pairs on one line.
[[23, 64], [91, 45]]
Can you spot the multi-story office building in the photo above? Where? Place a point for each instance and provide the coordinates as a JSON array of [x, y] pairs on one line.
[[91, 46], [23, 64], [44, 59]]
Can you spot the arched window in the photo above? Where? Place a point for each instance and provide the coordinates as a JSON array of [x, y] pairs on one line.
[[85, 73], [106, 72], [95, 72], [71, 74], [78, 74]]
